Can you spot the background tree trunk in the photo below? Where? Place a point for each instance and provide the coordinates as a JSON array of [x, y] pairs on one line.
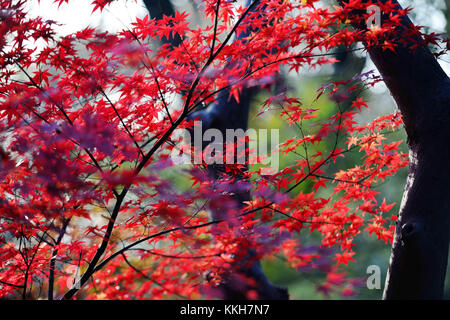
[[421, 90], [227, 113]]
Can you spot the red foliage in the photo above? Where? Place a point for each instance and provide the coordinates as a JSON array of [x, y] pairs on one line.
[[86, 129]]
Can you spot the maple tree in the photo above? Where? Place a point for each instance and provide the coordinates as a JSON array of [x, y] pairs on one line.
[[88, 209]]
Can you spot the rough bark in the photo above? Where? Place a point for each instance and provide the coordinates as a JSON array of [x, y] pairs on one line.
[[421, 90]]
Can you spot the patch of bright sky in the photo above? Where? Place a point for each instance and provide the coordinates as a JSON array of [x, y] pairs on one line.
[[429, 13], [77, 15]]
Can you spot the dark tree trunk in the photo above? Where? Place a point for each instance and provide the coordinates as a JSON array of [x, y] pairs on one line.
[[421, 90], [420, 250], [158, 8], [227, 113]]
